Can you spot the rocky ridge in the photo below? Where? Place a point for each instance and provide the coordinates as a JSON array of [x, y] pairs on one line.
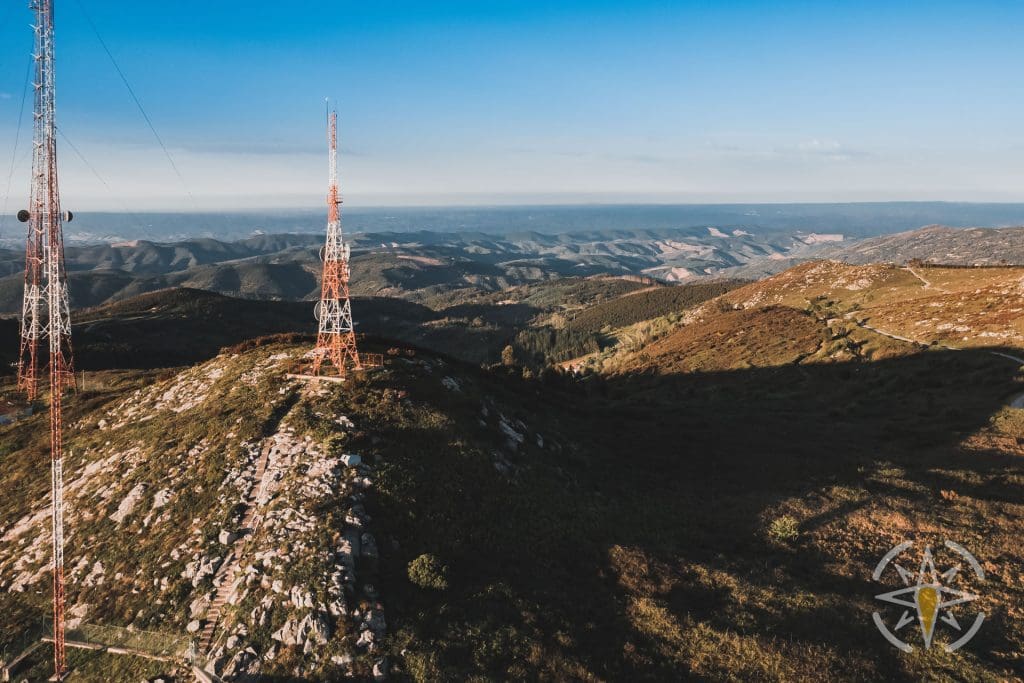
[[167, 511]]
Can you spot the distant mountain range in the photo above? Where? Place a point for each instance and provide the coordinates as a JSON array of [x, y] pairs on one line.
[[441, 269], [437, 269], [936, 244]]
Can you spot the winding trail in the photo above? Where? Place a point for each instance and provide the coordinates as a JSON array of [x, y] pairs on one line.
[[1015, 402], [890, 335], [927, 283]]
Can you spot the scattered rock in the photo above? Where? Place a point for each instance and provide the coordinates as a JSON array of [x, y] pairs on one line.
[[95, 576], [199, 606], [129, 503], [380, 670], [162, 498], [311, 629]]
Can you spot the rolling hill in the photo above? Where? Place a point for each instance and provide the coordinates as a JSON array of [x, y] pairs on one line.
[[940, 245], [182, 325], [856, 220], [869, 311]]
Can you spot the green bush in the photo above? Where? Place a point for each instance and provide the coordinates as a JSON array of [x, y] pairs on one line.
[[784, 528], [426, 571]]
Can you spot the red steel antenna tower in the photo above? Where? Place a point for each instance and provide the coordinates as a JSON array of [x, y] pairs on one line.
[[45, 310], [336, 340], [46, 313]]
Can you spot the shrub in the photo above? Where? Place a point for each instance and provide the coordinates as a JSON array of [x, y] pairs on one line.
[[423, 667], [335, 443], [426, 571], [784, 528], [508, 356], [267, 340], [629, 310]]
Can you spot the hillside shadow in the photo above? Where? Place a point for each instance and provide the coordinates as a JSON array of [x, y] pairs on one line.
[[680, 470], [774, 430], [721, 449], [180, 326], [507, 314]]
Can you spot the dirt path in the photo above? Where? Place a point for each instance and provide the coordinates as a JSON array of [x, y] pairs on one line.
[[897, 337], [1015, 402], [927, 283], [637, 291]]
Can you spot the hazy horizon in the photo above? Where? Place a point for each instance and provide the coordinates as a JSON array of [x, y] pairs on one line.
[[850, 219], [474, 103], [519, 202]]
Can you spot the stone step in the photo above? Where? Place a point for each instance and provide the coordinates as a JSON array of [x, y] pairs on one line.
[[226, 574]]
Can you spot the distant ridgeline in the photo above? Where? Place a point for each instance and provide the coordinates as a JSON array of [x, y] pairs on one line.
[[937, 245], [856, 220]]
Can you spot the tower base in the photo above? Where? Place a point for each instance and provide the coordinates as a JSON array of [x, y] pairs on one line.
[[317, 378]]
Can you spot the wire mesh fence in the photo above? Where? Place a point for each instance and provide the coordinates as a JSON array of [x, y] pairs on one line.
[[154, 644], [30, 630], [371, 360]]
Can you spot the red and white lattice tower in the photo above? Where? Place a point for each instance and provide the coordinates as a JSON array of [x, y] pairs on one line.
[[46, 313], [336, 339]]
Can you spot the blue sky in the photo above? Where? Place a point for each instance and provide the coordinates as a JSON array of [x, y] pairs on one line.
[[506, 102]]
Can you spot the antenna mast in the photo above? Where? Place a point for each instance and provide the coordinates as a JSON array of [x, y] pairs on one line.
[[336, 340], [46, 312]]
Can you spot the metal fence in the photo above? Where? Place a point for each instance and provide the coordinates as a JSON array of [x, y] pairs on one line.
[[151, 643], [30, 631], [371, 360]]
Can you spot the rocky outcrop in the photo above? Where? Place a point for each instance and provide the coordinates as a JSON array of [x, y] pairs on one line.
[[229, 514], [298, 477]]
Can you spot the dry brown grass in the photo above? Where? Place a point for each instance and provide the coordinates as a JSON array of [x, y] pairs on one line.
[[752, 338]]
